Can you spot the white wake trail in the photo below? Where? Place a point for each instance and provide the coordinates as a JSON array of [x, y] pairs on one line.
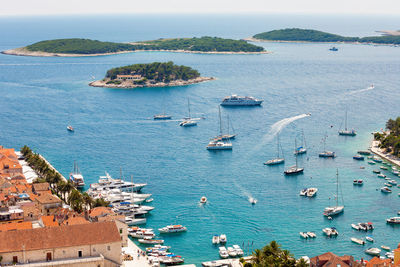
[[369, 88]]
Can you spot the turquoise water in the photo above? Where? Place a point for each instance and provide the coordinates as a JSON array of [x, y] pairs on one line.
[[40, 96]]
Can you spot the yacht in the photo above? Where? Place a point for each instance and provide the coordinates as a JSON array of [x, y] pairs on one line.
[[357, 241], [70, 128], [188, 121], [150, 241], [239, 251], [227, 136], [172, 229], [223, 253], [142, 234], [294, 169], [373, 251], [330, 231], [76, 177], [219, 145], [393, 220], [162, 117], [301, 149], [312, 191], [107, 183], [222, 239], [235, 100], [326, 153], [335, 210], [232, 252], [278, 159], [215, 239], [358, 157]]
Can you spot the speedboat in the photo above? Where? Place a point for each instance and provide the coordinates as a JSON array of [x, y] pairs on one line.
[[203, 200], [355, 226], [293, 170], [311, 192], [70, 128], [188, 123], [370, 239], [222, 239], [311, 234], [239, 251], [373, 251], [385, 248], [303, 192], [376, 171], [327, 154], [275, 161], [304, 235], [232, 252], [219, 145], [357, 241], [223, 253], [393, 220], [358, 157], [386, 189], [381, 175], [215, 239], [172, 229], [150, 241], [358, 182], [235, 100], [371, 162], [162, 117]]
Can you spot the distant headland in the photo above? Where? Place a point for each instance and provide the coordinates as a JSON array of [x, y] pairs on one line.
[[76, 47], [306, 35], [156, 74]]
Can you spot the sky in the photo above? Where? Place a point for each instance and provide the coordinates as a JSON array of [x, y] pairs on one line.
[[54, 7]]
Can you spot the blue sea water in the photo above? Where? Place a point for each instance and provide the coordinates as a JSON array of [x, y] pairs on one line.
[[39, 97]]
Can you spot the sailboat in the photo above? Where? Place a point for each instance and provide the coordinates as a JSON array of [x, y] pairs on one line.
[[335, 210], [76, 177], [219, 144], [301, 149], [326, 153], [188, 121], [278, 159], [227, 136], [162, 116], [294, 169], [346, 132]]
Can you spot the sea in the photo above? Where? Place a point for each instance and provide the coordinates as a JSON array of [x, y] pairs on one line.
[[115, 132]]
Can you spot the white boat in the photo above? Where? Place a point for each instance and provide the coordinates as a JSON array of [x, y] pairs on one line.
[[386, 189], [373, 251], [327, 231], [149, 200], [294, 169], [392, 182], [385, 248], [172, 229], [335, 210], [107, 183], [162, 117], [370, 239], [215, 239], [187, 122], [232, 252], [393, 220], [302, 149], [228, 136], [326, 153], [223, 253], [239, 251], [303, 235], [380, 175], [303, 192], [357, 241], [311, 234], [346, 131], [222, 239], [312, 191], [76, 177], [142, 234], [278, 159], [203, 200], [355, 226], [390, 255], [134, 221], [253, 201], [235, 100], [219, 145], [150, 241], [70, 128]]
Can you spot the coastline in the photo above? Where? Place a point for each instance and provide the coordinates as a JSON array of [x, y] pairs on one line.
[[127, 85], [251, 39], [22, 51], [389, 157]]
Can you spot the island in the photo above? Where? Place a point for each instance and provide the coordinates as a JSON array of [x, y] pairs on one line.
[[307, 35], [75, 47], [156, 74]]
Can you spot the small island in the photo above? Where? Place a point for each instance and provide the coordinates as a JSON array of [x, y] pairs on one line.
[[307, 35], [156, 74], [76, 47]]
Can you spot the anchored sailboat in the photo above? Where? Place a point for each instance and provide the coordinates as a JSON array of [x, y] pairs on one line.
[[278, 159], [303, 148], [326, 153], [294, 169], [335, 210], [218, 143], [347, 132], [227, 136], [188, 121]]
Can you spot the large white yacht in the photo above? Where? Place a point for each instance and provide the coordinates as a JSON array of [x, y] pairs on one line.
[[172, 229], [107, 183], [235, 100], [76, 177], [219, 145]]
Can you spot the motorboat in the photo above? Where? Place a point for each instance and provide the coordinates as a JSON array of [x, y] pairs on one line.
[[330, 231], [386, 189], [235, 100], [358, 182], [311, 235], [390, 255], [239, 251], [150, 241], [371, 162], [381, 175], [334, 49], [134, 221], [373, 251], [223, 253], [351, 132], [392, 182], [274, 161], [377, 159], [385, 248], [364, 152], [304, 235], [357, 241], [383, 168], [312, 191], [376, 171], [171, 259], [106, 183], [327, 154], [303, 192], [215, 239], [203, 200], [393, 220], [358, 157], [172, 229], [387, 185], [149, 200], [219, 145], [355, 226], [70, 128], [162, 117], [222, 239], [142, 234], [369, 238], [366, 226], [76, 177], [232, 252], [252, 200]]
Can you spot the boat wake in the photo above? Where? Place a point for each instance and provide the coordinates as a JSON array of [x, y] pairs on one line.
[[246, 194], [369, 88]]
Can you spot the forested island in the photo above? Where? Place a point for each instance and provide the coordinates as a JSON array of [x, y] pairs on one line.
[[87, 47], [156, 74], [306, 35]]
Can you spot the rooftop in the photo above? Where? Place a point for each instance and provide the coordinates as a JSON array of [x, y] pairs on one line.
[[47, 199]]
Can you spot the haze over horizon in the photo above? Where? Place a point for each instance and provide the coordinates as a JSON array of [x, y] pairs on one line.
[[51, 7]]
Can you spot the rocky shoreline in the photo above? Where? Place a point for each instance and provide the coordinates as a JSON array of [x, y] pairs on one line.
[[130, 85], [251, 39]]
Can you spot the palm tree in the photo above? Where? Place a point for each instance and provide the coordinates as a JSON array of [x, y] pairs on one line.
[[75, 200], [67, 188], [87, 200]]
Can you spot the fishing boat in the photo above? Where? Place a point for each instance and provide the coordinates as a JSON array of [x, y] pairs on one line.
[[358, 157], [232, 252], [303, 235], [215, 239], [223, 253], [335, 210], [385, 189], [76, 177], [235, 100], [369, 238], [70, 128], [358, 182], [385, 248], [203, 200], [311, 235], [333, 49], [373, 251], [357, 241], [301, 149], [364, 152], [218, 143], [187, 122], [294, 169], [239, 251], [347, 132], [326, 153], [172, 229], [393, 220], [222, 239], [278, 159]]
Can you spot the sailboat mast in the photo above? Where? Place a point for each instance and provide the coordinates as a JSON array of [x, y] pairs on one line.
[[345, 121], [295, 146], [304, 139], [277, 144], [132, 184], [220, 122], [337, 187], [189, 108]]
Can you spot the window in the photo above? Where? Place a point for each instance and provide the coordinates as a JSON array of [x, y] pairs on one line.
[[64, 252], [120, 231], [15, 259], [108, 248], [48, 256], [80, 253]]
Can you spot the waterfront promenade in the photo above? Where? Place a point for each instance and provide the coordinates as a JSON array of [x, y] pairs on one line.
[[132, 249], [389, 157]]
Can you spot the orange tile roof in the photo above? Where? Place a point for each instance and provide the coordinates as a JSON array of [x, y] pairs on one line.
[[15, 225], [47, 199], [49, 221], [98, 211], [40, 187], [57, 237], [375, 262]]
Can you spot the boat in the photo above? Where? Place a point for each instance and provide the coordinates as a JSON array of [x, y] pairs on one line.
[[107, 183], [215, 239], [301, 149], [232, 252], [218, 143], [187, 122], [333, 49], [150, 241], [358, 182], [326, 153], [278, 159], [294, 169], [373, 251], [303, 192], [357, 241], [377, 159], [76, 177], [330, 231], [390, 255], [134, 221], [392, 182], [172, 229], [239, 251], [162, 117], [376, 171], [364, 152], [171, 259], [227, 136], [312, 191], [387, 185], [335, 210], [385, 189], [385, 248], [369, 238], [393, 220], [371, 162], [383, 168], [142, 234], [311, 235], [70, 128], [252, 200], [222, 239], [381, 175], [223, 253], [355, 226], [203, 200], [358, 157], [149, 200], [235, 100], [347, 132], [303, 235]]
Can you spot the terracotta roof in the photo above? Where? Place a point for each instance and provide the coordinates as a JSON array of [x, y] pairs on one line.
[[62, 236], [49, 221], [19, 225], [98, 211], [330, 259], [375, 262], [47, 199], [40, 187]]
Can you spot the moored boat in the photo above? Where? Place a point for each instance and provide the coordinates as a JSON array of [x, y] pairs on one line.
[[223, 253], [357, 241], [358, 182], [278, 159], [393, 220], [385, 189], [371, 162], [335, 210], [150, 241], [303, 235], [239, 251], [222, 239], [215, 239], [311, 234], [162, 117], [76, 177], [355, 226], [376, 171], [369, 238], [373, 251], [219, 145], [172, 229], [235, 100], [187, 122], [203, 200], [385, 248], [358, 157], [345, 131], [232, 252], [70, 128], [364, 152]]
